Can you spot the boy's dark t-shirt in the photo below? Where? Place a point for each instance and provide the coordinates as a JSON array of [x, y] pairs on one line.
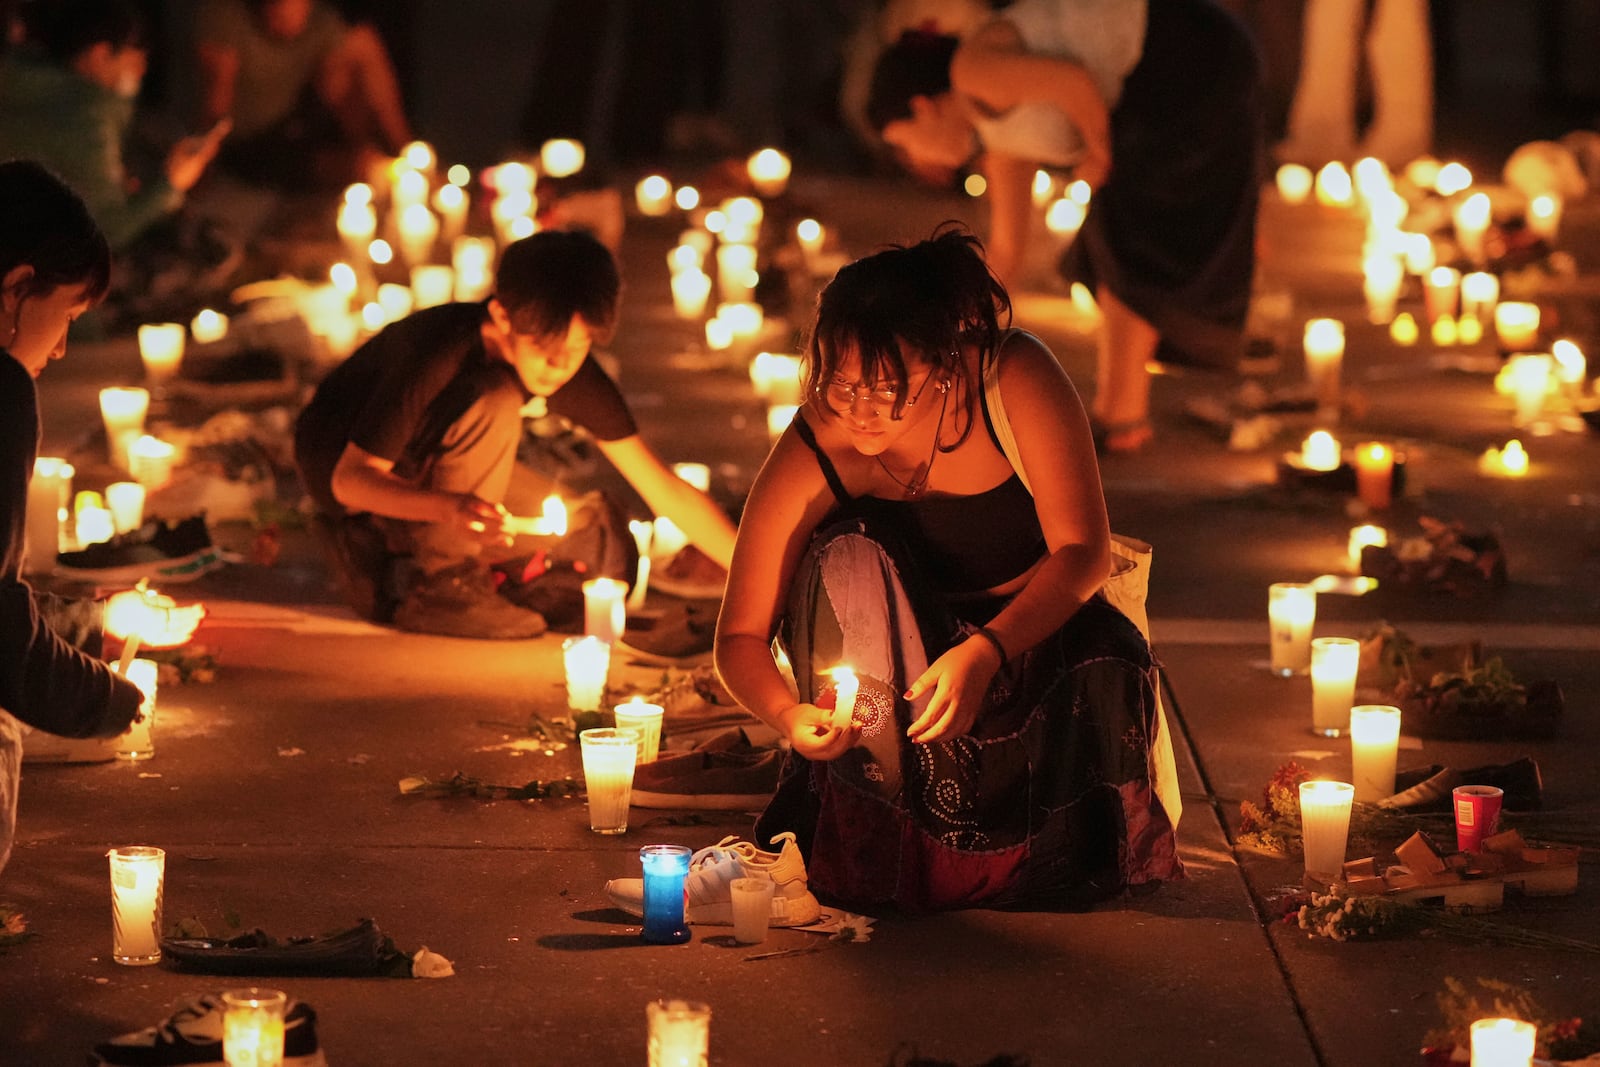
[[398, 394]]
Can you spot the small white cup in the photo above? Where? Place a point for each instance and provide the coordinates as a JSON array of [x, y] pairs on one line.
[[752, 908]]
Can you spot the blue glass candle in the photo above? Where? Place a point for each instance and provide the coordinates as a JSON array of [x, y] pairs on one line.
[[666, 867]]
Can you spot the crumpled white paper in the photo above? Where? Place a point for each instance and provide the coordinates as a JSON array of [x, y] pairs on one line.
[[429, 964]]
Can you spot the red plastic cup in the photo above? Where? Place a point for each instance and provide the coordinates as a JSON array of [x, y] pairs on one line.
[[1477, 814]]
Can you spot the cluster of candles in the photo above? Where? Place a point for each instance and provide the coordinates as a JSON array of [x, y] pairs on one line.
[[58, 519], [1373, 461]]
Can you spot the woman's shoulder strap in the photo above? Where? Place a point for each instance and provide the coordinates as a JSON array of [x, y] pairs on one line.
[[831, 476]]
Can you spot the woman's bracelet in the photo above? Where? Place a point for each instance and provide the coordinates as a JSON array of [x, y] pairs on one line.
[[988, 635]]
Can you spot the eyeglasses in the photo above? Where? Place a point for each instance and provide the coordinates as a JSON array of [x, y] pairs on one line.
[[841, 396]]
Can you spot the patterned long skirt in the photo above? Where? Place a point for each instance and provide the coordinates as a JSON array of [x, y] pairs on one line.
[[1047, 802]]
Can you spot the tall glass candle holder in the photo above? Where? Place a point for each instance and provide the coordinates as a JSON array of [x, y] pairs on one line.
[[1374, 741], [587, 661], [679, 1034], [605, 609], [137, 872], [1334, 661], [644, 718], [608, 761], [252, 1027], [1325, 825], [1291, 611], [666, 867], [137, 742], [1502, 1043]]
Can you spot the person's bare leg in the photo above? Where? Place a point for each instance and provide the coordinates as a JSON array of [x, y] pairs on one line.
[[1125, 345], [359, 85]]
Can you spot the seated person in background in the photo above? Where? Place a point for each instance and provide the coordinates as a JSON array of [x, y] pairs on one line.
[[998, 750], [313, 100], [69, 95], [408, 447]]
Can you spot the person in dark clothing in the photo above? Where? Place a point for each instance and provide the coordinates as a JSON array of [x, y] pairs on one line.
[[933, 520], [408, 447], [54, 266]]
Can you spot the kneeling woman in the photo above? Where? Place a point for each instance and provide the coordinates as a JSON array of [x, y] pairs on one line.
[[999, 749]]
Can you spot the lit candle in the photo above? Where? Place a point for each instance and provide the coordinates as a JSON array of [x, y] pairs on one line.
[[1403, 330], [775, 376], [1382, 276], [1374, 739], [1422, 172], [48, 494], [1371, 179], [680, 1033], [743, 213], [1292, 611], [608, 762], [605, 612], [512, 177], [380, 252], [123, 411], [1469, 329], [1571, 369], [1444, 331], [1324, 353], [93, 522], [1294, 183], [1480, 290], [1325, 825], [1529, 376], [587, 661], [472, 258], [432, 284], [1471, 218], [696, 474], [769, 171], [1544, 216], [358, 224], [1333, 186], [1516, 325], [1334, 661], [666, 868], [136, 876], [1374, 461], [845, 688], [1451, 179], [161, 350], [644, 718], [684, 257], [1044, 186], [150, 461], [1320, 451], [137, 742], [691, 289], [452, 204], [419, 229], [1510, 462], [409, 189], [1440, 290], [779, 416], [252, 1027], [1362, 536], [126, 503], [395, 300], [736, 271], [687, 198], [1502, 1043], [508, 212], [1418, 252], [653, 195], [1064, 218], [744, 319], [561, 157], [208, 326], [668, 539], [641, 532]]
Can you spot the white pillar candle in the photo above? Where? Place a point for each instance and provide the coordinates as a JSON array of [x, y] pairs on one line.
[[1334, 661], [587, 661], [1294, 183], [1440, 291], [512, 177], [743, 213], [1451, 179], [687, 198], [736, 272], [744, 319], [811, 236], [137, 742], [1382, 276], [608, 764], [408, 189], [846, 686], [126, 503], [1324, 354], [1544, 216], [1374, 462], [1362, 536], [561, 157], [1291, 611], [691, 289], [684, 257], [696, 474], [452, 203], [1516, 325], [473, 260], [1419, 253], [136, 877], [1325, 825], [48, 494], [645, 718], [161, 349], [1502, 1043], [1333, 186], [93, 524], [719, 334], [432, 284], [1530, 376], [605, 612], [150, 461], [1371, 179], [642, 535], [769, 171], [653, 195], [123, 411], [1480, 290], [357, 224], [419, 229], [1320, 451], [252, 1027], [380, 252], [395, 300], [1471, 217], [776, 377], [1374, 740], [512, 212], [679, 1033]]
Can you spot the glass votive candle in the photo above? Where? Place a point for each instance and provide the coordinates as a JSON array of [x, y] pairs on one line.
[[1324, 353], [1360, 538], [137, 872], [1334, 662], [666, 867], [1502, 1043], [123, 411], [252, 1027], [1480, 291], [1529, 375], [1294, 183], [1516, 325], [1291, 612], [1325, 825], [769, 171], [752, 908], [653, 195], [605, 609], [645, 718], [126, 501], [1374, 739], [48, 493], [608, 762], [161, 349], [1374, 462], [691, 289], [679, 1033], [137, 742], [207, 327], [587, 661], [1441, 292], [150, 461]]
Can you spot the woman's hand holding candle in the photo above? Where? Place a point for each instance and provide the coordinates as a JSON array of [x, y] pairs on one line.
[[815, 734]]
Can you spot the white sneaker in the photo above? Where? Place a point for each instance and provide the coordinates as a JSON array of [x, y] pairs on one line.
[[710, 901]]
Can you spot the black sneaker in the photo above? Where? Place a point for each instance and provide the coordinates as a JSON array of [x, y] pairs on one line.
[[193, 1034], [462, 601], [160, 551]]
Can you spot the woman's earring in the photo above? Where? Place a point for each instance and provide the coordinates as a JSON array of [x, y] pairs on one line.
[[944, 385]]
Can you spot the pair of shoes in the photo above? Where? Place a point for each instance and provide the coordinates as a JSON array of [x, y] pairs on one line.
[[1429, 789], [158, 550], [709, 901], [193, 1034], [462, 601], [1121, 438], [726, 773], [683, 632], [362, 565], [690, 574]]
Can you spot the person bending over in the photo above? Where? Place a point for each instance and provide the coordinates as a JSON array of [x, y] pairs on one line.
[[998, 750], [408, 447], [1158, 107]]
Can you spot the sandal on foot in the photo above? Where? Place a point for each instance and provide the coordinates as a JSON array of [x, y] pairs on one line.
[[1121, 438]]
